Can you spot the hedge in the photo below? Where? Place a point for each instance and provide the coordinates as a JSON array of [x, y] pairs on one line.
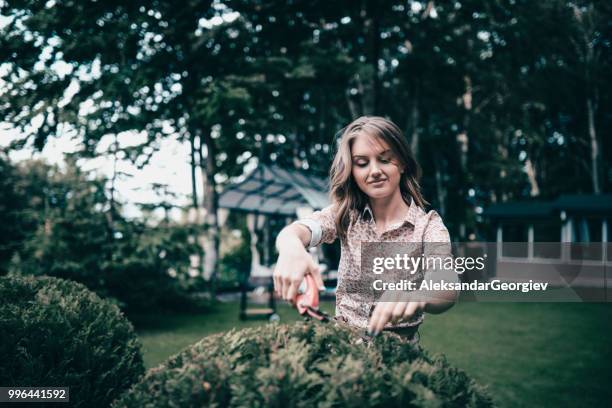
[[56, 333], [303, 365]]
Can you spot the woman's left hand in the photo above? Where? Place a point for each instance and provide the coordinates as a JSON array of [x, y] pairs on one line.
[[394, 312]]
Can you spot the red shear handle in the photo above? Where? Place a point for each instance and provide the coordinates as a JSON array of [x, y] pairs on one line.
[[308, 298]]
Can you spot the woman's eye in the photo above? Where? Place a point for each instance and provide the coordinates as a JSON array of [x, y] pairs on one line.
[[383, 160], [361, 164]]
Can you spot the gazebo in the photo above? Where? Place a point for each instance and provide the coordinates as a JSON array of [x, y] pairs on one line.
[[537, 238], [266, 192], [271, 190]]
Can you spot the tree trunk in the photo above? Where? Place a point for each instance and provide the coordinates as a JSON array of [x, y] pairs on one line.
[[501, 142], [464, 142], [351, 105], [375, 35], [531, 175], [194, 189], [595, 152], [462, 137], [195, 203], [587, 22], [440, 188], [371, 94], [111, 215], [208, 167], [414, 126], [295, 150], [503, 150]]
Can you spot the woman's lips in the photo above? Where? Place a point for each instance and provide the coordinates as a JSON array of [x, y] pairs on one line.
[[377, 183]]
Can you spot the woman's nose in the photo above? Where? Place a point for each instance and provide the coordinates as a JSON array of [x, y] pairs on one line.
[[375, 170]]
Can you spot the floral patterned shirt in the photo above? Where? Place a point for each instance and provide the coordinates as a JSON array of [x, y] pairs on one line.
[[418, 226]]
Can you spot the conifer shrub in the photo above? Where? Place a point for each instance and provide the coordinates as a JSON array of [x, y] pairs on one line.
[[56, 333], [303, 365]]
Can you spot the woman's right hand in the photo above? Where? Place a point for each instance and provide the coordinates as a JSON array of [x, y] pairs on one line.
[[292, 266]]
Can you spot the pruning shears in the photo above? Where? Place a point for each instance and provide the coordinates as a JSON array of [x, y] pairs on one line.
[[307, 302]]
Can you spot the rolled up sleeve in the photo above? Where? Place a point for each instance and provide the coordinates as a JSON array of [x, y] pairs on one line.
[[322, 226]]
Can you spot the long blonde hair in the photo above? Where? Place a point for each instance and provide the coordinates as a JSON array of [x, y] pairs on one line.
[[344, 192]]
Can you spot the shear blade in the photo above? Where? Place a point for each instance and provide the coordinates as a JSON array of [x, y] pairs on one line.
[[317, 314]]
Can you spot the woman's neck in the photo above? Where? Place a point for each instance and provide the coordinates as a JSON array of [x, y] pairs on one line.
[[388, 209]]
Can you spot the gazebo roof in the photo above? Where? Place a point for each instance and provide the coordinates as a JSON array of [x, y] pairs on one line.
[[272, 190], [524, 209], [584, 204]]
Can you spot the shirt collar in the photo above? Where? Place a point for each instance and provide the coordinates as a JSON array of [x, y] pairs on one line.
[[368, 216]]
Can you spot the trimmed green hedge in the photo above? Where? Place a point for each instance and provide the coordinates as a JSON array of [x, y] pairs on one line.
[[306, 364], [57, 333]]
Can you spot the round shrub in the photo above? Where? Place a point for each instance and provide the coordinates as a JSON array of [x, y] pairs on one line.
[[303, 365], [56, 333]]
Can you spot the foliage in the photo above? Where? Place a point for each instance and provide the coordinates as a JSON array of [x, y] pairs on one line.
[[28, 190], [13, 229], [501, 100], [235, 264], [56, 333], [149, 268], [304, 365], [73, 233]]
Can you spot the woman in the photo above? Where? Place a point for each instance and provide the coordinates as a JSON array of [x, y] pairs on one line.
[[375, 198]]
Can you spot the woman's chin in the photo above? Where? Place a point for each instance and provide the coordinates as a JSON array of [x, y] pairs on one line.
[[378, 193]]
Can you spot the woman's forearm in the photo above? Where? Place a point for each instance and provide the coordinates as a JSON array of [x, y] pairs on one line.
[[292, 237], [294, 261], [438, 301], [441, 302]]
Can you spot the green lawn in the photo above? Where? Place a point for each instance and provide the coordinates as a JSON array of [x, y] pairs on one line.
[[528, 354]]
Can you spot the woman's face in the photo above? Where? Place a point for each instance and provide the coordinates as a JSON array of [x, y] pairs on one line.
[[374, 167]]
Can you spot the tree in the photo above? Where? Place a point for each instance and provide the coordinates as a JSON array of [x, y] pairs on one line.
[[96, 69], [500, 99], [66, 232]]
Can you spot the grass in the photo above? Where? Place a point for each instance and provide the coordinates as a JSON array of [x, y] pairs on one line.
[[527, 354], [530, 354]]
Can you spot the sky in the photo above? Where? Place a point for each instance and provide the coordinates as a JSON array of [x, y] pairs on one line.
[[169, 165]]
